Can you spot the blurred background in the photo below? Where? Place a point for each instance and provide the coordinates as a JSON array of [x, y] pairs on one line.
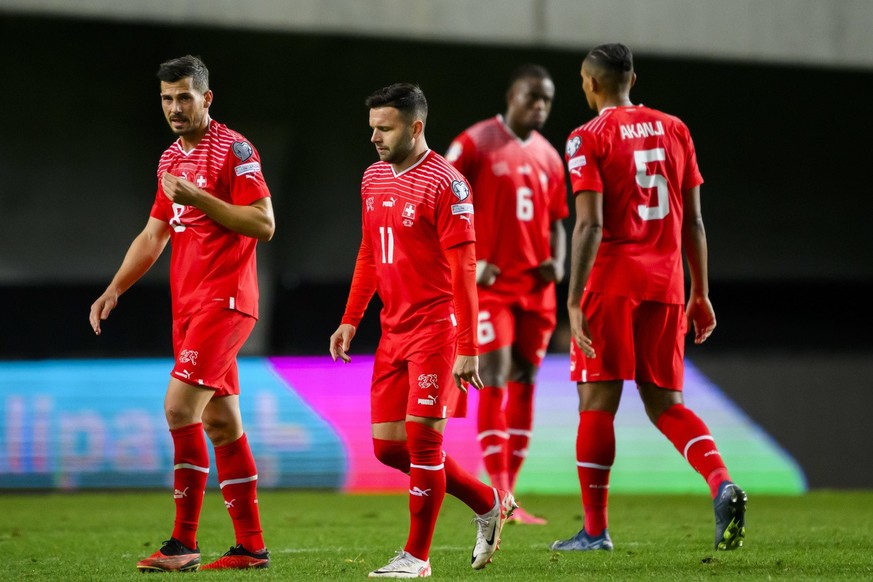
[[774, 93]]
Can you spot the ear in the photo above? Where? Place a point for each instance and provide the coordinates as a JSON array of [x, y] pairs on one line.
[[633, 80], [417, 128], [207, 99]]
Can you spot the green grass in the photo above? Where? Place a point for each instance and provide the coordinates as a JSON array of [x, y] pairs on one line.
[[328, 536]]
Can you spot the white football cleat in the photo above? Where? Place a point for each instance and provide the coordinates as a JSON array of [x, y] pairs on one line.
[[403, 565], [488, 528]]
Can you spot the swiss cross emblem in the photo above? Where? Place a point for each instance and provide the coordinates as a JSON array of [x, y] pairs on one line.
[[409, 210], [201, 181]]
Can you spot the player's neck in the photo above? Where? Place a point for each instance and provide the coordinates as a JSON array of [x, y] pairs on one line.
[[414, 156], [614, 101], [518, 130], [193, 139]]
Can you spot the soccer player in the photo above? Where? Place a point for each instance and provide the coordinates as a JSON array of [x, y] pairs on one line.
[[212, 204], [637, 186], [521, 198], [417, 252]]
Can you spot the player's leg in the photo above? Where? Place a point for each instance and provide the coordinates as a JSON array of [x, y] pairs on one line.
[[534, 324], [238, 482], [212, 343], [599, 385], [495, 334], [660, 371], [183, 407], [491, 415]]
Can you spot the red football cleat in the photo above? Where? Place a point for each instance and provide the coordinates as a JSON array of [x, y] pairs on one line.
[[239, 558], [173, 556]]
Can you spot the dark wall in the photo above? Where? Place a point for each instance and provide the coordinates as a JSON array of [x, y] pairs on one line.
[[786, 200]]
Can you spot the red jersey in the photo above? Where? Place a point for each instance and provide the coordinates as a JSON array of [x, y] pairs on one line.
[[408, 220], [641, 160], [210, 264], [520, 191]]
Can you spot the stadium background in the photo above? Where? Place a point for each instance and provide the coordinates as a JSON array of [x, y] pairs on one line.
[[774, 97]]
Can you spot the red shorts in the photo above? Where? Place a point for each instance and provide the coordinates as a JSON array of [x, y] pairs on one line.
[[206, 344], [525, 322], [412, 375], [634, 340]]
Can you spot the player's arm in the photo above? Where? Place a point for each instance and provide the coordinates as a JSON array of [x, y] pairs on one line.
[[587, 234], [141, 255], [462, 263], [552, 269], [699, 310], [255, 220], [363, 287]]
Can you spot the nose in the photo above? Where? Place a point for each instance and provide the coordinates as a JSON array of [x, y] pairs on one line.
[[376, 137]]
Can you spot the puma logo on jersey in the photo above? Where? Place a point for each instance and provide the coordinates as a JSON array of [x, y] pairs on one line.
[[418, 492]]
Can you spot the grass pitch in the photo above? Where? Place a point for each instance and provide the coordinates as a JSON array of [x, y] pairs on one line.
[[330, 536]]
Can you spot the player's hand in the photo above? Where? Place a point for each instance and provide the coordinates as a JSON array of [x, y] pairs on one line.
[[340, 342], [179, 190], [101, 308], [486, 273], [551, 271], [579, 331], [701, 316], [466, 371]]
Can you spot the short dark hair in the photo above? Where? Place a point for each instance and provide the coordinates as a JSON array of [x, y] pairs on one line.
[[407, 98], [529, 71], [614, 59], [184, 67]]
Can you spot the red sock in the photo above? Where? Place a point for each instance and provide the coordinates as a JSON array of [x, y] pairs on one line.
[[427, 486], [238, 479], [692, 439], [190, 470], [595, 453], [493, 438], [459, 483], [519, 421]]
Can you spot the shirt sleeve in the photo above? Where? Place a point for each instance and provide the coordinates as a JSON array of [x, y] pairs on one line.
[[558, 208], [462, 262], [363, 285], [244, 174], [581, 155], [462, 155], [454, 213], [692, 175]]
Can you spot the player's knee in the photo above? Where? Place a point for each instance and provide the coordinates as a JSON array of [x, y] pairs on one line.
[[392, 453]]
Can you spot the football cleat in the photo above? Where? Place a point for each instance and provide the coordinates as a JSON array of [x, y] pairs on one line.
[[522, 517], [239, 558], [730, 517], [403, 565], [173, 556], [488, 528], [582, 542]]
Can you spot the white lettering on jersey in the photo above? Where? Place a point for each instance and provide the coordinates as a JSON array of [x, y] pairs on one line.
[[576, 163], [247, 168], [462, 209], [640, 130], [176, 221]]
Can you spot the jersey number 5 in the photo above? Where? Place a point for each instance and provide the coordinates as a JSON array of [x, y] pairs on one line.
[[645, 180]]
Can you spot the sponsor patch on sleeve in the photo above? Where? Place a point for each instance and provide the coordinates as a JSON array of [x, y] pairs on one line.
[[249, 168], [462, 209], [576, 163]]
